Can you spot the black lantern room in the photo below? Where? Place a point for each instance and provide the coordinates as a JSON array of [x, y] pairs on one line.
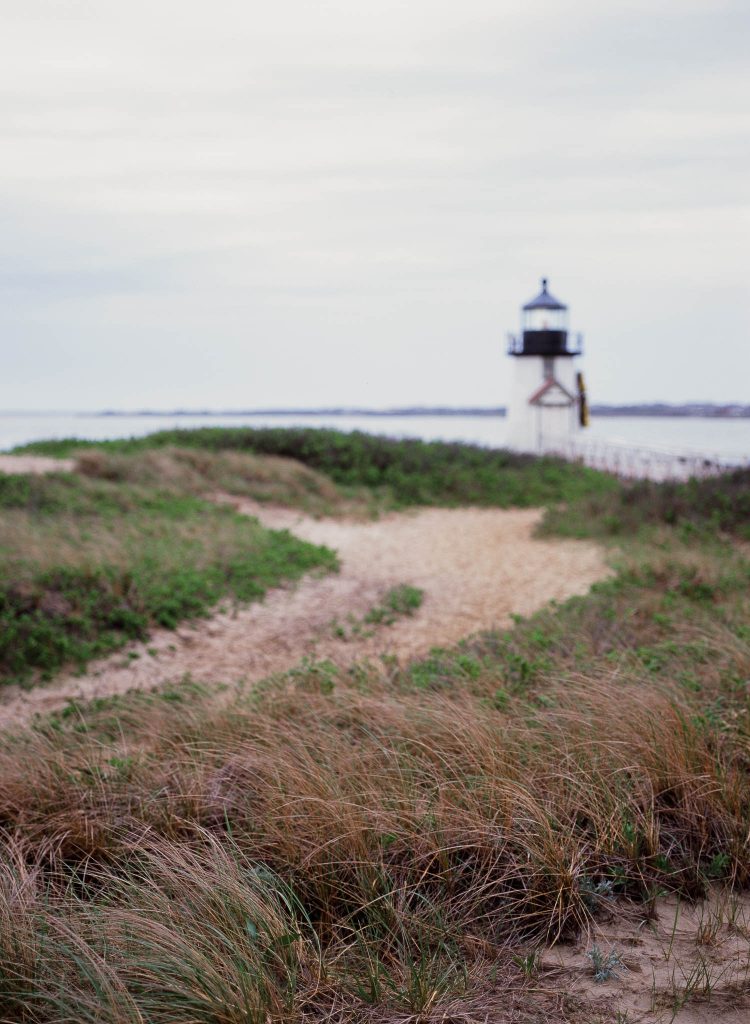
[[544, 328]]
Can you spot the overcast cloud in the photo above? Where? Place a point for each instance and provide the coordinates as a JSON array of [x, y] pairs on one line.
[[242, 204]]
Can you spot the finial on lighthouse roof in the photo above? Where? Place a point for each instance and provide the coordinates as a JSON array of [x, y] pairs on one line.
[[544, 300]]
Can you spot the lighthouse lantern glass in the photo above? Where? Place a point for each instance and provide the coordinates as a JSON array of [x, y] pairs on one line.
[[545, 319]]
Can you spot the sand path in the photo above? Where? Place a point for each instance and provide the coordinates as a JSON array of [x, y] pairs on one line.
[[477, 567], [35, 464]]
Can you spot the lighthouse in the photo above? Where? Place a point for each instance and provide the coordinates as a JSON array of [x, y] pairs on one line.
[[547, 404]]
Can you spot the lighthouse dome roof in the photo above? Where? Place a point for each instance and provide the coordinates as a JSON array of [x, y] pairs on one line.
[[544, 300]]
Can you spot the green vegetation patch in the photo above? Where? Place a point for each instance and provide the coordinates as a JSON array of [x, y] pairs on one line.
[[87, 565], [411, 472], [716, 504], [397, 602], [402, 601]]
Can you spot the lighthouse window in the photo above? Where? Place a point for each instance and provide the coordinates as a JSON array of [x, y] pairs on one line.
[[544, 320], [548, 364]]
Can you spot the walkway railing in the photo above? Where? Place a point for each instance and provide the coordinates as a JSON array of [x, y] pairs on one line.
[[640, 462]]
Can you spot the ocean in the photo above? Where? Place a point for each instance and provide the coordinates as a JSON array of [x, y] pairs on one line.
[[725, 439]]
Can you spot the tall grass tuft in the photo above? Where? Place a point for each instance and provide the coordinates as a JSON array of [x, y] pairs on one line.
[[213, 863]]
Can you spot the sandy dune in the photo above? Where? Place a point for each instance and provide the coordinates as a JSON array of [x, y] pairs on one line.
[[476, 566]]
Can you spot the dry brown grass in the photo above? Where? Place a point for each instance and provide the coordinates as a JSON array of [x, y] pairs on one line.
[[400, 842], [265, 478], [202, 934]]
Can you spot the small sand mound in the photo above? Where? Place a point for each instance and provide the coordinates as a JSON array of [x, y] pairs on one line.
[[476, 567]]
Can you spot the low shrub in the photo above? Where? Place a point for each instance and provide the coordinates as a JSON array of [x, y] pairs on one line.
[[713, 505]]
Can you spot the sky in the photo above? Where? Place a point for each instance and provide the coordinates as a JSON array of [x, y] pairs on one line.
[[245, 204]]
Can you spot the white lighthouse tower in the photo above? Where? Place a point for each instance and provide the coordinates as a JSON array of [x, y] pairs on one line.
[[547, 404]]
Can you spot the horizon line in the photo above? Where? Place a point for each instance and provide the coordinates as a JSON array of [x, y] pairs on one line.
[[695, 408]]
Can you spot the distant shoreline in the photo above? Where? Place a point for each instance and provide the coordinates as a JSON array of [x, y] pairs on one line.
[[695, 410]]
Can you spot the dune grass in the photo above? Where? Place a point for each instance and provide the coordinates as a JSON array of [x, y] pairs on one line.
[[410, 472], [92, 560], [400, 473], [386, 842], [264, 478], [87, 565], [393, 842]]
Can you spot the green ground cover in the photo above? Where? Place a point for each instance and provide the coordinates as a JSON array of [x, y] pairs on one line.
[[714, 506], [87, 565], [401, 473]]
